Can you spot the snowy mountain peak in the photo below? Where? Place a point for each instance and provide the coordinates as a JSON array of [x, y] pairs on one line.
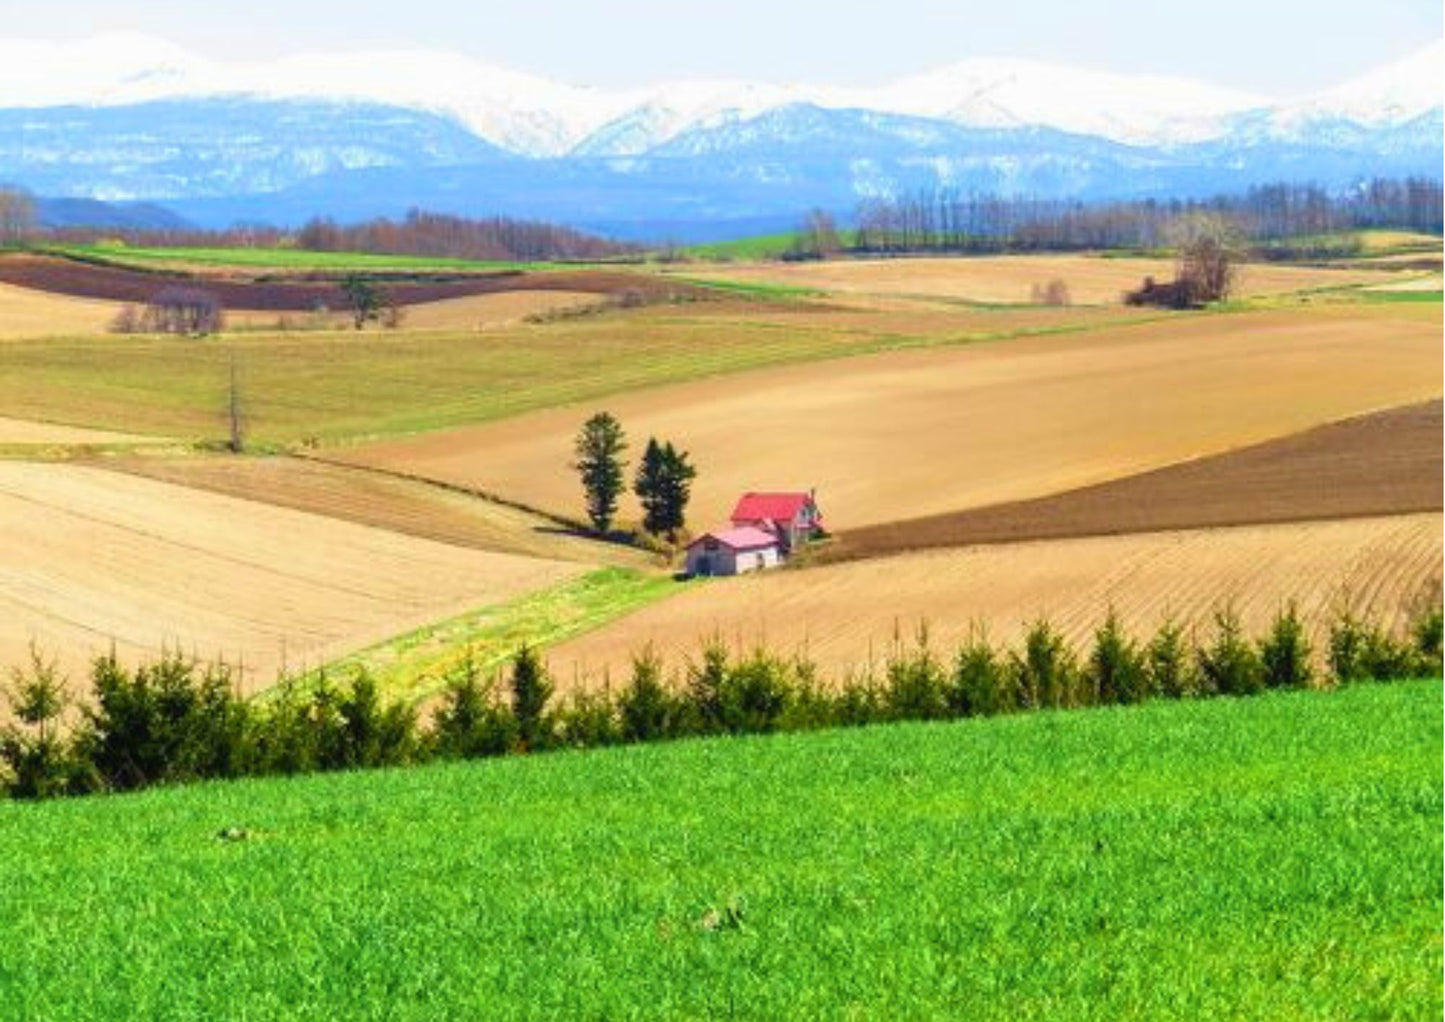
[[535, 116], [1397, 92], [1006, 93]]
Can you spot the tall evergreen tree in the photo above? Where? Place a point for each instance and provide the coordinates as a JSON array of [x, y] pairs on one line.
[[531, 688], [597, 454], [664, 486]]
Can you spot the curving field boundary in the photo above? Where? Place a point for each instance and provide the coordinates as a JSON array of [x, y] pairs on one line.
[[1386, 463]]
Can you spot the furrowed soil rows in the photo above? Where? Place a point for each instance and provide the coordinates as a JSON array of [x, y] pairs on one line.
[[914, 433], [846, 616], [1386, 463], [91, 559]]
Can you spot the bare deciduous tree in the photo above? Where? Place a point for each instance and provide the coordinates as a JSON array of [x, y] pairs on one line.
[[1207, 245], [183, 310], [126, 321], [1055, 292], [817, 236], [17, 216], [235, 416]]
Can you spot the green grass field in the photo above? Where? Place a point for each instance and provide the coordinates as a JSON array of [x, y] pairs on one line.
[[1271, 858], [754, 247]]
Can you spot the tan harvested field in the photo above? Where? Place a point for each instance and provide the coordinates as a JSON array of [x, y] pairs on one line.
[[28, 313], [913, 433], [493, 310], [1386, 463], [24, 432], [1090, 279], [385, 501], [841, 615], [90, 558]]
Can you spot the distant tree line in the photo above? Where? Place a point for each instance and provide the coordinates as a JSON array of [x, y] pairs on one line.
[[419, 233], [439, 235], [946, 220], [175, 721]]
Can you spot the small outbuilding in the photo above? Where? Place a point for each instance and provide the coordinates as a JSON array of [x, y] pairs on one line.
[[733, 551]]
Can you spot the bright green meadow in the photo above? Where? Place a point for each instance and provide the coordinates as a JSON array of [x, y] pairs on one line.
[[1271, 858]]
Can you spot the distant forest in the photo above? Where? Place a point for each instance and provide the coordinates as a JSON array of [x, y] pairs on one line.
[[942, 220], [419, 233], [1286, 221]]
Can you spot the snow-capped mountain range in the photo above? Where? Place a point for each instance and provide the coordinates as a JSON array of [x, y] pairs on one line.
[[133, 117]]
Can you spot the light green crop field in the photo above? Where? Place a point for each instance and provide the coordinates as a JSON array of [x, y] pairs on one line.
[[756, 246], [343, 385], [283, 259], [1271, 858]]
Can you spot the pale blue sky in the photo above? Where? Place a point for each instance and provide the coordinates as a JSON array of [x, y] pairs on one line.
[[1272, 46]]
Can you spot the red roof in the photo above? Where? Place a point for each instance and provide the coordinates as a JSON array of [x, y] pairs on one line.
[[777, 507], [745, 538]]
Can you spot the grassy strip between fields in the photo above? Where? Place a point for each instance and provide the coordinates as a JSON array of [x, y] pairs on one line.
[[1268, 858], [414, 666], [1391, 297]]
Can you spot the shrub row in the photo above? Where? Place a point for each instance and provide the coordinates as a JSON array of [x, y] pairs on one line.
[[174, 720]]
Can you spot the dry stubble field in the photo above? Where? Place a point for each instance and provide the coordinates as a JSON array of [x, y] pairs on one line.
[[905, 434], [94, 558]]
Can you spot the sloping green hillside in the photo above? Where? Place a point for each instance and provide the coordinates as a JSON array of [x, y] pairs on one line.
[[1270, 858]]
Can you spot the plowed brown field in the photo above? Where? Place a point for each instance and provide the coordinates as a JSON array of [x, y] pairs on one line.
[[91, 559], [1090, 279], [843, 615], [1386, 463], [908, 434]]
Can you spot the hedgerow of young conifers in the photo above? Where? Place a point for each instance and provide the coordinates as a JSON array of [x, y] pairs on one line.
[[174, 720]]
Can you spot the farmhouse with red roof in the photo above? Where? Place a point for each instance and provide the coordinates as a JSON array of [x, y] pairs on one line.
[[793, 517], [766, 527]]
